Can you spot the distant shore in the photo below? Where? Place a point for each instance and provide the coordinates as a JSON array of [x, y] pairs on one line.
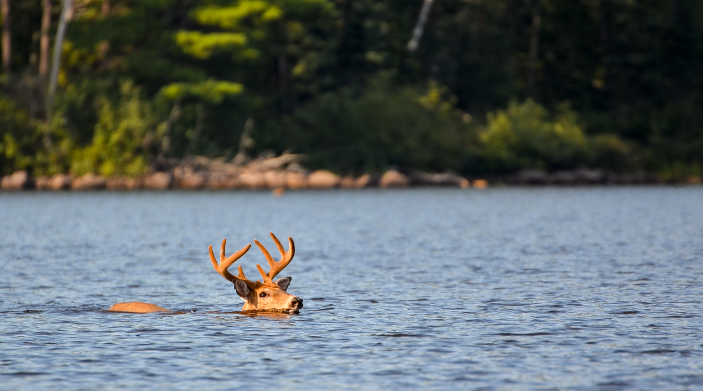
[[285, 172]]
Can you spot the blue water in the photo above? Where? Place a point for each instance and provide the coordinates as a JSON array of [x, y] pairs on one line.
[[517, 288]]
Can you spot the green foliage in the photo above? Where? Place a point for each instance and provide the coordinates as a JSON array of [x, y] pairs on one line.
[[231, 17], [613, 154], [123, 131], [380, 127], [202, 46], [633, 71], [210, 90], [525, 135], [18, 138]]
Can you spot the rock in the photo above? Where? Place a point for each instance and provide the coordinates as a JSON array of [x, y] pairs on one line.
[[365, 180], [531, 177], [323, 179], [240, 159], [297, 167], [41, 183], [275, 179], [115, 183], [193, 180], [158, 181], [347, 182], [479, 183], [445, 179], [251, 180], [122, 183], [267, 162], [60, 182], [133, 183], [220, 180], [393, 178], [89, 181], [562, 178], [590, 177], [296, 180], [693, 180], [17, 181]]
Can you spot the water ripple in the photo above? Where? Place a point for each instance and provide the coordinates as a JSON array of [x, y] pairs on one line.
[[516, 289]]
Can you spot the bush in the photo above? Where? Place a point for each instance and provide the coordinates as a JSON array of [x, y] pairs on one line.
[[19, 138], [380, 127], [526, 135], [122, 132]]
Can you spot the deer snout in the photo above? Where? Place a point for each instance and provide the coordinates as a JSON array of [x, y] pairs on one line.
[[297, 302]]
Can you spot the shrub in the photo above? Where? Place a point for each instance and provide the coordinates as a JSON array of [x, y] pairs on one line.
[[18, 138], [120, 136], [526, 135], [380, 127]]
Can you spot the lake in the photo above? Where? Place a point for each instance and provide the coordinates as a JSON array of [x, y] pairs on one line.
[[594, 288]]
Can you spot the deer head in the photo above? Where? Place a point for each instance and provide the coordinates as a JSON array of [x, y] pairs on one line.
[[261, 296]]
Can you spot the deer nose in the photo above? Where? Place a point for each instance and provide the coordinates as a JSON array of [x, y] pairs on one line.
[[297, 302]]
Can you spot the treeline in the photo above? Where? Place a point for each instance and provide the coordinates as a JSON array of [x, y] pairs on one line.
[[491, 87]]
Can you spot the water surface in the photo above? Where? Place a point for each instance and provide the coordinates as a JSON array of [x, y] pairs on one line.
[[549, 288]]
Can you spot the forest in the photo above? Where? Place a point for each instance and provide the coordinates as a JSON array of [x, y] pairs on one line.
[[476, 87]]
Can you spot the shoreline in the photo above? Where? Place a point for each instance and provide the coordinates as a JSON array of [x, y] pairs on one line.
[[284, 172]]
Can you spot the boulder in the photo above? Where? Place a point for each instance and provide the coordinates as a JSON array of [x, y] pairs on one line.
[[221, 180], [60, 182], [347, 182], [693, 180], [589, 177], [323, 179], [296, 180], [193, 180], [17, 181], [122, 183], [531, 177], [393, 178], [115, 183], [365, 180], [444, 179], [479, 184], [41, 182], [251, 180], [563, 178], [158, 181], [275, 179], [89, 181]]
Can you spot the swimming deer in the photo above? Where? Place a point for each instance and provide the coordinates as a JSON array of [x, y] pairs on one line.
[[258, 296]]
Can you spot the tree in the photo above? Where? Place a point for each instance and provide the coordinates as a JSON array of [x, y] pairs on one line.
[[6, 37]]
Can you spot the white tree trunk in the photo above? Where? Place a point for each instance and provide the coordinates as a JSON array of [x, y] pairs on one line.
[[420, 26], [56, 61]]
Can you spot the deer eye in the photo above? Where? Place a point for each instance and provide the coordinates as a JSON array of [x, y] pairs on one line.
[[262, 294]]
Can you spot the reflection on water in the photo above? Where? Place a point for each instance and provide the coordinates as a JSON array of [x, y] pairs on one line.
[[594, 288]]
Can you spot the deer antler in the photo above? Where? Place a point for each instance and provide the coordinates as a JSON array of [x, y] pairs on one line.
[[276, 267], [226, 262]]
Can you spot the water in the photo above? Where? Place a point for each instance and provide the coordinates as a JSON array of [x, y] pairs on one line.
[[586, 288]]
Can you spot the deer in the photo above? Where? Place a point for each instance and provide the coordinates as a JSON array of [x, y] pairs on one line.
[[258, 296]]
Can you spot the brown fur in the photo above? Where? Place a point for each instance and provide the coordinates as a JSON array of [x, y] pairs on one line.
[[258, 296], [137, 307]]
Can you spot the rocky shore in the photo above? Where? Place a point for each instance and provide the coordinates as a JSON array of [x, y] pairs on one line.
[[266, 172], [285, 172]]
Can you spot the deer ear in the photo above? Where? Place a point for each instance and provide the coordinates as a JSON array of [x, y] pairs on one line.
[[242, 289], [284, 282]]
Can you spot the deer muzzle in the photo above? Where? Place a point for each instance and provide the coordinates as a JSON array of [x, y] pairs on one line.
[[296, 303]]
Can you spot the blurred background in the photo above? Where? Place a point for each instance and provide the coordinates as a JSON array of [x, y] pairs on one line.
[[478, 87]]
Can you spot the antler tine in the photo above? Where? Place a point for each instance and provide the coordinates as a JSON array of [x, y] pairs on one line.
[[276, 267], [227, 262]]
